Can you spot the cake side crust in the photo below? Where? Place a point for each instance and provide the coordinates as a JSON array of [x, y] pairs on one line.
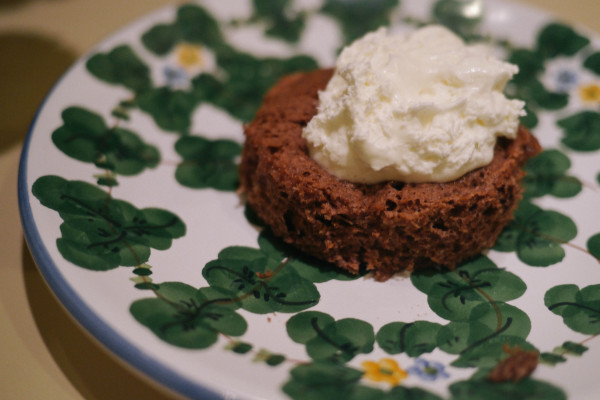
[[385, 227]]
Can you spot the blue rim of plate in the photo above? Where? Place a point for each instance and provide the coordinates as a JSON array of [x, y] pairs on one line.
[[73, 303]]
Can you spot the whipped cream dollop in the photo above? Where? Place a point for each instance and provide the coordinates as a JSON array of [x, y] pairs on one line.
[[422, 107]]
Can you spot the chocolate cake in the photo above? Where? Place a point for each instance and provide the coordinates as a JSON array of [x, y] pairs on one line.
[[385, 227]]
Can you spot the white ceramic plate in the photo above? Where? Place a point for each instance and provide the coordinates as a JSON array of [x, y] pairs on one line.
[[106, 149]]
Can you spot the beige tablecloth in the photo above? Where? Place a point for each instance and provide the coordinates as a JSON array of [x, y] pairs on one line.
[[44, 354]]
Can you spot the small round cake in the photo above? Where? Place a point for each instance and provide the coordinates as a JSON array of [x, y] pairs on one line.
[[385, 227]]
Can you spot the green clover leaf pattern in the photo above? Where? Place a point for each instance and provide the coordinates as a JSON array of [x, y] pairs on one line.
[[592, 62], [480, 344], [186, 317], [473, 298], [322, 380], [207, 163], [559, 40], [530, 64], [247, 80], [120, 66], [536, 235], [281, 22], [413, 338], [85, 136], [330, 340], [171, 109], [553, 40], [325, 380], [593, 245], [261, 280], [482, 389], [244, 79], [306, 267], [580, 309], [453, 295], [546, 174], [193, 24], [409, 393], [371, 14], [100, 232], [581, 131]]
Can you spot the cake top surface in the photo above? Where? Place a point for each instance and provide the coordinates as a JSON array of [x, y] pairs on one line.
[[422, 107]]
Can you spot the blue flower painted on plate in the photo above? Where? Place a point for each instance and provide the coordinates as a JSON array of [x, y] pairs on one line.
[[565, 80], [428, 370], [585, 88], [175, 77], [565, 76]]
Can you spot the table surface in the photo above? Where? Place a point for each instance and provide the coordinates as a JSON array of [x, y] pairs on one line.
[[36, 361]]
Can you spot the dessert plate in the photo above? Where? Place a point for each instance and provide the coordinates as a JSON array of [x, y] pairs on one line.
[[127, 191]]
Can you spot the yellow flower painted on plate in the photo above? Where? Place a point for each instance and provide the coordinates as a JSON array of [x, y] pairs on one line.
[[590, 93], [386, 370], [190, 56]]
